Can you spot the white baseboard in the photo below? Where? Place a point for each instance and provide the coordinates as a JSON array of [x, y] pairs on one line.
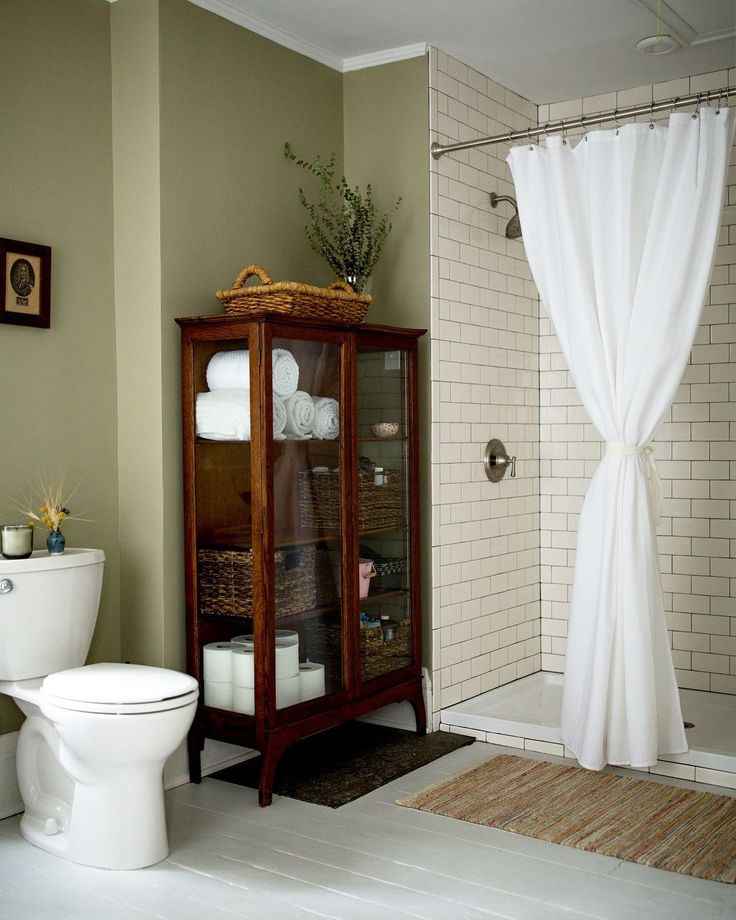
[[219, 754], [216, 756], [401, 715], [10, 800]]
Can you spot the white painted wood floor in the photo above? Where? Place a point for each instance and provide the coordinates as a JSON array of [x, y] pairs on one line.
[[369, 860]]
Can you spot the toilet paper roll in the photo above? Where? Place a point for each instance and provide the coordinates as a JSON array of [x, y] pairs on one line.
[[245, 640], [217, 662], [243, 667], [311, 680], [218, 694], [287, 654], [287, 657], [288, 691], [244, 700]]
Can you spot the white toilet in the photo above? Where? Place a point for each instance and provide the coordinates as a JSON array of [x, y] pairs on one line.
[[92, 749]]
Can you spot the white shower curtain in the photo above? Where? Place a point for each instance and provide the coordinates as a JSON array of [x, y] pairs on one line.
[[620, 233]]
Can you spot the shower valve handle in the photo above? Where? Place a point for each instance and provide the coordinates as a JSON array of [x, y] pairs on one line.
[[496, 461]]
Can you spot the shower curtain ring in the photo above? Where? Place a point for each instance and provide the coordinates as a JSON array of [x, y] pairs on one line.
[[582, 125], [651, 116], [674, 105], [529, 137], [615, 121], [562, 129]]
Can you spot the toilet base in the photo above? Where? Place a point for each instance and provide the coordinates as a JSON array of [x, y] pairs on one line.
[[102, 829], [92, 784]]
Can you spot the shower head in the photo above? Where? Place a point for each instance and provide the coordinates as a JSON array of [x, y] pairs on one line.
[[513, 227]]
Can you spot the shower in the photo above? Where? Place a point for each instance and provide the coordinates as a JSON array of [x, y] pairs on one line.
[[513, 227]]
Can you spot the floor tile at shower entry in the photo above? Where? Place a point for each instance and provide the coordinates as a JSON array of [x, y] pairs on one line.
[[525, 715], [369, 860]]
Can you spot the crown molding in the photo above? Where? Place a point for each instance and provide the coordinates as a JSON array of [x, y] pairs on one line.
[[292, 42], [376, 58], [719, 36]]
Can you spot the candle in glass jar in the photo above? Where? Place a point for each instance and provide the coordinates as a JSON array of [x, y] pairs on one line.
[[16, 541]]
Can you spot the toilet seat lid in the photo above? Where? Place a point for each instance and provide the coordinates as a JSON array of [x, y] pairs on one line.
[[136, 687]]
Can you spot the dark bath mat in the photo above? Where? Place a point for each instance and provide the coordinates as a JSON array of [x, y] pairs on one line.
[[341, 764]]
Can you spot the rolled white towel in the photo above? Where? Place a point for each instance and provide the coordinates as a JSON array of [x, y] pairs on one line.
[[285, 373], [326, 418], [299, 416], [279, 418], [229, 370], [223, 415]]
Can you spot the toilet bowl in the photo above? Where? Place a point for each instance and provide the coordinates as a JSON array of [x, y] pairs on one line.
[[92, 749]]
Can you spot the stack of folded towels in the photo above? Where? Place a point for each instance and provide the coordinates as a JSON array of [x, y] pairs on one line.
[[223, 413]]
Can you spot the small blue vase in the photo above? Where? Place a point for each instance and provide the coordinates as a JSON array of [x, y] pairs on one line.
[[55, 543]]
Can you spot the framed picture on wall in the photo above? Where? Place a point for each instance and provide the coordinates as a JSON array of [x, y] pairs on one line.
[[25, 283]]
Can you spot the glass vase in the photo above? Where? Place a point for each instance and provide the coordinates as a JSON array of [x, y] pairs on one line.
[[55, 543]]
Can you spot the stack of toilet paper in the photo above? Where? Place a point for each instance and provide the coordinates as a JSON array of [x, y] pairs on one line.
[[229, 674]]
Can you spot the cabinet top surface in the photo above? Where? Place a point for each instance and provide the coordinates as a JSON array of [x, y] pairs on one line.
[[226, 320]]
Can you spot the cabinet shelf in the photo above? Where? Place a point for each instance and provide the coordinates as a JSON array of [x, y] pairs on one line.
[[379, 595]]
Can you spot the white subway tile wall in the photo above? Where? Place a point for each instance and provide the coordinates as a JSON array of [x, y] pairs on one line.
[[696, 455], [485, 384]]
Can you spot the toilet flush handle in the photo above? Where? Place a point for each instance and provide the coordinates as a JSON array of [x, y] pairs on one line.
[[6, 586]]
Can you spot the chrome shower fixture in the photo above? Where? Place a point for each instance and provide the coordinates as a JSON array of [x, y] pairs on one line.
[[513, 227]]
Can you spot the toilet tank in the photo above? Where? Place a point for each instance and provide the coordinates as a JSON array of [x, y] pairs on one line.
[[48, 610]]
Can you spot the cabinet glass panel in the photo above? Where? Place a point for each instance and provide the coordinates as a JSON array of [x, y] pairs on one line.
[[224, 513], [383, 501], [307, 518]]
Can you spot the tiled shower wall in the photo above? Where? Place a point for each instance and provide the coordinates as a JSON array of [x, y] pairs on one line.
[[485, 384], [695, 451]]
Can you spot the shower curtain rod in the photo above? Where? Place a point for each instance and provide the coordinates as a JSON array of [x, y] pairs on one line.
[[585, 121]]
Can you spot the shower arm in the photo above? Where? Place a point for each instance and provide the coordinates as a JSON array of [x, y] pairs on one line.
[[496, 198], [586, 121]]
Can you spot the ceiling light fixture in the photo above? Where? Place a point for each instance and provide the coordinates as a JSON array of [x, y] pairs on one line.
[[662, 42]]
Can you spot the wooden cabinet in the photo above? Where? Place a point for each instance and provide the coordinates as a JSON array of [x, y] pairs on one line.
[[290, 493]]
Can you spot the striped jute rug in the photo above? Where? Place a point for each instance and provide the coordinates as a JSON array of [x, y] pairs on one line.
[[682, 830]]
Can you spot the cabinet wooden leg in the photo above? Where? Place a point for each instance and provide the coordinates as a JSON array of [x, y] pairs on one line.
[[271, 755], [195, 744]]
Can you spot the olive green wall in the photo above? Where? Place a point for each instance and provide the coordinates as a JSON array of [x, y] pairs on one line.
[[57, 411], [135, 119], [206, 185], [386, 113]]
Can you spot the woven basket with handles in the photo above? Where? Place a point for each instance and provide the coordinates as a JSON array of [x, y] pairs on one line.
[[336, 304]]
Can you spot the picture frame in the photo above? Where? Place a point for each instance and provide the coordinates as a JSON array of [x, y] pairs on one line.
[[25, 283]]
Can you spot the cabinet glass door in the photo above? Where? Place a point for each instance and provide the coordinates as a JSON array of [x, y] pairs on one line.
[[224, 538], [383, 511], [307, 509]]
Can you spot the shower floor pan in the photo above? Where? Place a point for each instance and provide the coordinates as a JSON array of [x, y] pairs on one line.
[[526, 714]]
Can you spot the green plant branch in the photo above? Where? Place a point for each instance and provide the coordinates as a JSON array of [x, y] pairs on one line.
[[343, 225]]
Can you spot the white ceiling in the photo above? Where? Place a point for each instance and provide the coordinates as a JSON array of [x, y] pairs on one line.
[[544, 50]]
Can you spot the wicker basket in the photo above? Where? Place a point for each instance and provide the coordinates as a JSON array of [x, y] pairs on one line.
[[226, 581], [378, 656], [379, 507], [336, 304], [390, 571]]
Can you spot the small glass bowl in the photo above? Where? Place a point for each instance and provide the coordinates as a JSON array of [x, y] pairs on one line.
[[385, 429]]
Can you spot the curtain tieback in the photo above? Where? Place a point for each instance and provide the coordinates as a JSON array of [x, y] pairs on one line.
[[618, 449]]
